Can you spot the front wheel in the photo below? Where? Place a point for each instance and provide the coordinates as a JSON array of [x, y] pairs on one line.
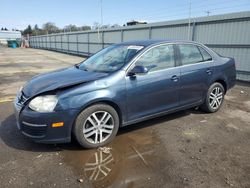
[[96, 126], [214, 98]]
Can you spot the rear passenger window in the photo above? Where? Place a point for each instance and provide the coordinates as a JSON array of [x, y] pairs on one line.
[[205, 55], [190, 54]]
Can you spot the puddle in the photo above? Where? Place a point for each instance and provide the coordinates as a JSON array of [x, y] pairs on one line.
[[135, 159]]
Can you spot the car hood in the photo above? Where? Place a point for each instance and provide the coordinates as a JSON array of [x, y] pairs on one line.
[[59, 79]]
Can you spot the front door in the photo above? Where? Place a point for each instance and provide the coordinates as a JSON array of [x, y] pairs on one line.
[[157, 90]]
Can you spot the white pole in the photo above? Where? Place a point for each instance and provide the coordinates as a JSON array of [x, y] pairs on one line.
[[98, 31], [101, 13], [189, 19]]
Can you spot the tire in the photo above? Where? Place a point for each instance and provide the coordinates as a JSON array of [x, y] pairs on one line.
[[210, 105], [96, 126]]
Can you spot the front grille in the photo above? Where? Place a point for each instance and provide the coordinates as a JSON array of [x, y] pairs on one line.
[[33, 130]]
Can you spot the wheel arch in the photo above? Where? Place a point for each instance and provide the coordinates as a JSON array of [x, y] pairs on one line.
[[107, 102], [223, 83]]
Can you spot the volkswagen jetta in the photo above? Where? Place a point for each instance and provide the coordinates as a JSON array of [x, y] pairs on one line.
[[120, 85]]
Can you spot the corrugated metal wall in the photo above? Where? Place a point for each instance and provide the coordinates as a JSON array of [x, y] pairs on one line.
[[228, 34]]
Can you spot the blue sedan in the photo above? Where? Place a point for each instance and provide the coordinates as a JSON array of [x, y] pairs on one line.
[[120, 85]]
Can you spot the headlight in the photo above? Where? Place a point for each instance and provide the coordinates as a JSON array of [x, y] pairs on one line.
[[45, 103]]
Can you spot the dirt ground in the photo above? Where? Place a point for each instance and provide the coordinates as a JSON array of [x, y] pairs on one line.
[[184, 149]]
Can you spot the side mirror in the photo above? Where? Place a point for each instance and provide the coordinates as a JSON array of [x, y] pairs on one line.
[[138, 70]]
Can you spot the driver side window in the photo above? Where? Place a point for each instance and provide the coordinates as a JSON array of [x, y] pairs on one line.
[[157, 58]]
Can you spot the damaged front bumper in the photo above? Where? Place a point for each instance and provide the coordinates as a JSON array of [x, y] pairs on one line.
[[38, 126]]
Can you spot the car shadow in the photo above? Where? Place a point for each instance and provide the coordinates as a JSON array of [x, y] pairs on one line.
[[13, 138]]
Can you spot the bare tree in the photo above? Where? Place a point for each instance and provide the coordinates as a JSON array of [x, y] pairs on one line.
[[96, 25], [50, 27]]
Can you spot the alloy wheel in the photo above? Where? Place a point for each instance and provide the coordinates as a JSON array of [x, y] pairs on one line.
[[215, 98], [98, 127]]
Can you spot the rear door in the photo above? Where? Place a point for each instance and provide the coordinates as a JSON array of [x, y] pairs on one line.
[[196, 70], [157, 90]]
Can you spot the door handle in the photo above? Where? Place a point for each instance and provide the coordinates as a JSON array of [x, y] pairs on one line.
[[175, 78], [209, 71]]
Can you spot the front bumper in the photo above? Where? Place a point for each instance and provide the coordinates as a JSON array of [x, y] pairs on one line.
[[38, 126]]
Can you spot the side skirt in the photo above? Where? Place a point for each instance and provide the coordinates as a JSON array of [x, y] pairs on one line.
[[162, 113]]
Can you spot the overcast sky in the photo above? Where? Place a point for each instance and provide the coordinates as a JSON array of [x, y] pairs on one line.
[[19, 13]]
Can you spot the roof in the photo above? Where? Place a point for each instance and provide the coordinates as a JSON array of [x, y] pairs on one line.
[[146, 43]]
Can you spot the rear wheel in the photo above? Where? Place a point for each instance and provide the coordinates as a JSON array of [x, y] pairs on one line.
[[96, 126], [214, 98]]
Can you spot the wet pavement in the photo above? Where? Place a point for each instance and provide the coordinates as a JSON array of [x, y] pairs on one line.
[[184, 149]]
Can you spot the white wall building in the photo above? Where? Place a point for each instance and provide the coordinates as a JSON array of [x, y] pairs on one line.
[[9, 35]]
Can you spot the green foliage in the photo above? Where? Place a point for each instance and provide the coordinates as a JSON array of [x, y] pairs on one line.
[[27, 31]]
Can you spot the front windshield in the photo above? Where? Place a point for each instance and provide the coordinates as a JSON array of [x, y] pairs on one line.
[[110, 59]]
